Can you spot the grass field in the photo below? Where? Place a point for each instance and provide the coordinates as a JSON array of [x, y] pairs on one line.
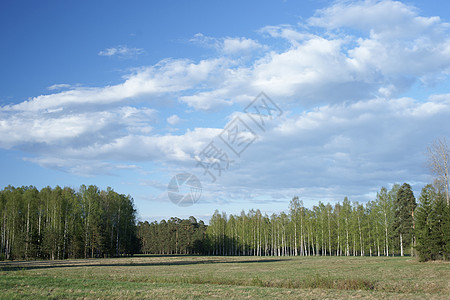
[[191, 277]]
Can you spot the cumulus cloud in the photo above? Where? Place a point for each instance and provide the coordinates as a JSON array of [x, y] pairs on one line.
[[346, 149], [339, 77], [392, 19], [60, 128], [237, 45], [396, 40], [168, 76], [313, 70], [173, 119], [95, 155], [325, 154], [207, 100]]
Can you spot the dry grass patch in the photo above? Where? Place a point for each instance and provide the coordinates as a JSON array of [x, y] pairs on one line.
[[193, 277]]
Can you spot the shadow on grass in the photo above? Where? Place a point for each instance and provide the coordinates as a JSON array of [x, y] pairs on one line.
[[99, 262]]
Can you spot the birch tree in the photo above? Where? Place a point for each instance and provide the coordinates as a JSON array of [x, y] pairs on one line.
[[439, 164]]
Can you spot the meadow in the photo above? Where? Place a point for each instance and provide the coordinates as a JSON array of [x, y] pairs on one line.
[[198, 277]]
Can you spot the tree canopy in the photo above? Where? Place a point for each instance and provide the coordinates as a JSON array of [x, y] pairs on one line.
[[58, 223], [63, 223]]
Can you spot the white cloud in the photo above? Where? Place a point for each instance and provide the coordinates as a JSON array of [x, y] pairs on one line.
[[80, 167], [239, 45], [356, 130], [391, 19], [56, 128], [122, 52], [228, 45], [322, 155], [173, 119], [104, 156], [359, 146], [285, 31], [168, 76], [396, 40], [338, 66], [60, 86], [314, 69], [347, 149], [207, 100]]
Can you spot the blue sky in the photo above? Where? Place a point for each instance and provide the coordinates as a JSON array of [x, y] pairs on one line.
[[128, 94]]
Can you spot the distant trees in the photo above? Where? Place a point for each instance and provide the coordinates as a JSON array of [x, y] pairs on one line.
[[63, 223], [175, 236], [390, 225], [382, 212], [345, 229]]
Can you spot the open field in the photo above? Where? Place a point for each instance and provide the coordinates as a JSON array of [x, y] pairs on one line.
[[192, 277]]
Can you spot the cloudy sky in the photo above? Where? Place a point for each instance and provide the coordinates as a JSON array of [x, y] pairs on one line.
[[130, 94]]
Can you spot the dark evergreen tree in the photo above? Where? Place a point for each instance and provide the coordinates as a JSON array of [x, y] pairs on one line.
[[176, 236], [438, 233], [424, 223], [446, 230], [404, 206]]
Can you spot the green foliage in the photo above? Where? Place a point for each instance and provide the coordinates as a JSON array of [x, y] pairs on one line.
[[424, 220], [174, 236], [432, 225], [345, 229], [403, 225], [446, 230], [62, 223]]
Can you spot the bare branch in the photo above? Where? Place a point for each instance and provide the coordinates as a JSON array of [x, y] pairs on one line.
[[439, 163]]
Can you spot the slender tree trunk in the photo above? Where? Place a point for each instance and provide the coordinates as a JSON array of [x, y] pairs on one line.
[[347, 245], [295, 236], [323, 247], [386, 233], [65, 237], [301, 233], [401, 244], [117, 233], [413, 242], [338, 249], [28, 231], [370, 243], [329, 234], [3, 234], [360, 238]]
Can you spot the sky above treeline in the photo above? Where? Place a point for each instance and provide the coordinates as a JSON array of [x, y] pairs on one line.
[[130, 94]]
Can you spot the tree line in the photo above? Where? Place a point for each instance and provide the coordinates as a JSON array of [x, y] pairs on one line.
[[175, 236], [390, 225], [59, 223], [63, 223]]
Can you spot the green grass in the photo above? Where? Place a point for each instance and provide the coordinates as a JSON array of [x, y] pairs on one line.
[[199, 277]]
